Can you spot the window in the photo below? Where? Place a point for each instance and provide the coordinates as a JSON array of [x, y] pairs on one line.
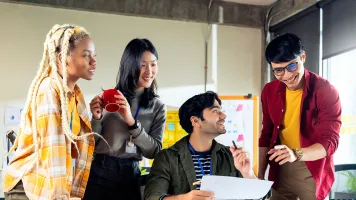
[[340, 70]]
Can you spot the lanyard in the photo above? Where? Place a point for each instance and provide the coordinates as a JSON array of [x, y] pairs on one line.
[[200, 165], [71, 120], [137, 111], [71, 129], [130, 143]]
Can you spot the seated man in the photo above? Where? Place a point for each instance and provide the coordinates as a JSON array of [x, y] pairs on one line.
[[175, 169]]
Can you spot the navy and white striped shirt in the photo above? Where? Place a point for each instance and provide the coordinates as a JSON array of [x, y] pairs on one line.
[[205, 160]]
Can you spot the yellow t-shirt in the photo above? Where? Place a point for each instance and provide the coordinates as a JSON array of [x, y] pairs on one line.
[[74, 116], [290, 132]]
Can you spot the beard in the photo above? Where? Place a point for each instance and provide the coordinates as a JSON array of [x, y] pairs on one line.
[[214, 129], [220, 127], [221, 131]]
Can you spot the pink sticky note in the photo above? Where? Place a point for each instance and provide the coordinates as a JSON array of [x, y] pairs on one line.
[[240, 138], [240, 107]]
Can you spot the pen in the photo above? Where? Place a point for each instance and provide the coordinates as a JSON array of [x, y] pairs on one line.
[[234, 144], [197, 182]]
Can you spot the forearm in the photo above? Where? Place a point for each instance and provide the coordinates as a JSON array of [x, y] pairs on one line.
[[262, 161], [313, 152], [249, 175], [150, 142], [96, 125], [173, 197], [149, 145]]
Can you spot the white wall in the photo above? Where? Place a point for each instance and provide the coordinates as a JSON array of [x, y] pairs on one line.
[[239, 60], [180, 47]]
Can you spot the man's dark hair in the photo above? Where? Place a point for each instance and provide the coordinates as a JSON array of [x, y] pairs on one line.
[[195, 107], [284, 48]]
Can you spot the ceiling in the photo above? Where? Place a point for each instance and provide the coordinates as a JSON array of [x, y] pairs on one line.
[[254, 2]]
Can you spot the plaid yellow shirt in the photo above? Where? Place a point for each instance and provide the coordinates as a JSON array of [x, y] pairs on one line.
[[53, 179]]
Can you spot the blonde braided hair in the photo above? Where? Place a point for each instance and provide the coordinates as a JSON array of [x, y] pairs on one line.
[[57, 39]]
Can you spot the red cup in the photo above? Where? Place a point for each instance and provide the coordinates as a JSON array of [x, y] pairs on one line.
[[109, 100]]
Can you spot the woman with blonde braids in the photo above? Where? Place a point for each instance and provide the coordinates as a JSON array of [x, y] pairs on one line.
[[55, 125]]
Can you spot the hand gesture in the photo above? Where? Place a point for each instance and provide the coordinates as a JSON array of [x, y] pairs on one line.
[[242, 160], [96, 107], [282, 154]]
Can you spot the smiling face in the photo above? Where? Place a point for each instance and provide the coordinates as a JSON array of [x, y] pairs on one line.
[[290, 73], [214, 119], [148, 70]]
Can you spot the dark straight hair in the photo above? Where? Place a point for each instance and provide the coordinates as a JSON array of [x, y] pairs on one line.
[[195, 106], [129, 72], [284, 48]]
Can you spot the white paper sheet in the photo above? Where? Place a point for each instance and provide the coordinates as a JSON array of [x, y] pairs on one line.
[[233, 188]]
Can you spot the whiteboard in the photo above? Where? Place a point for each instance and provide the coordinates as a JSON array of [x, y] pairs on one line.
[[241, 123]]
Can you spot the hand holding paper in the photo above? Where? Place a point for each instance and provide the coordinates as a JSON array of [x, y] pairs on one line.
[[198, 194], [226, 187]]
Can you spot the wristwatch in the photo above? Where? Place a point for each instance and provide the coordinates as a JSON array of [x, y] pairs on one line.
[[134, 126], [298, 153]]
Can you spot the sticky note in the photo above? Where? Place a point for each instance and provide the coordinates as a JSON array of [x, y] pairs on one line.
[[240, 107], [171, 127]]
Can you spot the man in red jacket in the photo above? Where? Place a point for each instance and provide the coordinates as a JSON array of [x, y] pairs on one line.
[[301, 124]]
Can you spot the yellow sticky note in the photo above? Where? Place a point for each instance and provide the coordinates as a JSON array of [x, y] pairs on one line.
[[349, 130], [171, 136], [165, 136], [343, 118], [343, 130], [349, 119]]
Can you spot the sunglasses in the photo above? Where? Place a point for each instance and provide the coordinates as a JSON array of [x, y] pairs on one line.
[[290, 68]]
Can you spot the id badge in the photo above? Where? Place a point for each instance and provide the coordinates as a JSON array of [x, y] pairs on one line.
[[130, 146]]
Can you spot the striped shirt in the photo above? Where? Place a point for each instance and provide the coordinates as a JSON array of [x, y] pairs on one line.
[[205, 160], [54, 177]]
